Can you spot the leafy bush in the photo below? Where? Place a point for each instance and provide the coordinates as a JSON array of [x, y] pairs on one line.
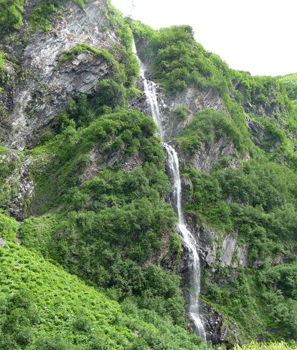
[[290, 83], [179, 61], [11, 14], [207, 125], [266, 346], [41, 16], [43, 307], [181, 113]]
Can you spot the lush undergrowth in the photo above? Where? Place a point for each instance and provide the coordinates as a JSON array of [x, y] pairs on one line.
[[290, 83], [267, 346], [112, 221], [43, 307], [178, 61], [11, 14], [98, 209], [257, 200]]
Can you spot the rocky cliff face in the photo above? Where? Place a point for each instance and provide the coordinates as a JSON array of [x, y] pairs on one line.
[[38, 85], [41, 85], [216, 250]]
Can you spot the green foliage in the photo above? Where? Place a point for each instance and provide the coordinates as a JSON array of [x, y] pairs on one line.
[[265, 192], [43, 307], [8, 228], [79, 48], [263, 212], [179, 61], [112, 223], [2, 56], [110, 94], [265, 95], [124, 32], [129, 129], [10, 162], [290, 83], [266, 346], [181, 113], [11, 15], [98, 208], [206, 126], [42, 15]]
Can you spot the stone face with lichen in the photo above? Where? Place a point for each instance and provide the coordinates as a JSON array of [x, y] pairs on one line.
[[47, 83]]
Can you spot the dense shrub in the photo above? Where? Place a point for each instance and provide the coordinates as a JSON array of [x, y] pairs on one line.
[[11, 14]]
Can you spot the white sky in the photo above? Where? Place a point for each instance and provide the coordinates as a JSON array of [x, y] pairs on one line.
[[258, 36]]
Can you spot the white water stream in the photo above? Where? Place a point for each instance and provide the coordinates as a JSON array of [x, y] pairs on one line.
[[176, 191]]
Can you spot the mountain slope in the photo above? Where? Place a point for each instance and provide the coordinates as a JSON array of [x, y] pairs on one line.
[[43, 307], [290, 82], [86, 177], [236, 138]]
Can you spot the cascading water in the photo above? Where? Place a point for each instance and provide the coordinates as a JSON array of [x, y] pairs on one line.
[[189, 241], [176, 191]]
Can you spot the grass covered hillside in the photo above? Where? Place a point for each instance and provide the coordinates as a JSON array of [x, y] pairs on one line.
[[90, 258]]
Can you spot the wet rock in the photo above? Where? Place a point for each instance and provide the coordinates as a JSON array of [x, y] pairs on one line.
[[257, 131], [242, 256], [228, 247], [216, 248], [217, 329]]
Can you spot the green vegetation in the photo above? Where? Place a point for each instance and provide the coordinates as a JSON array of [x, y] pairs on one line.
[[43, 307], [98, 264], [207, 125], [113, 221], [257, 200], [2, 56], [290, 83], [263, 212], [79, 48], [266, 346], [264, 192], [179, 61], [41, 16], [11, 14], [181, 113]]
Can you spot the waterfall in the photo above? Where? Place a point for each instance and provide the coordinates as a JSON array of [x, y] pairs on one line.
[[176, 192]]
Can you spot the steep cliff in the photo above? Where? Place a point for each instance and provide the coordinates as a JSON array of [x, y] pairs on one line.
[[83, 172], [231, 187], [44, 69]]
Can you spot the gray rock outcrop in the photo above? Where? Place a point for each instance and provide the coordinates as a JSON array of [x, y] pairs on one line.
[[49, 84]]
